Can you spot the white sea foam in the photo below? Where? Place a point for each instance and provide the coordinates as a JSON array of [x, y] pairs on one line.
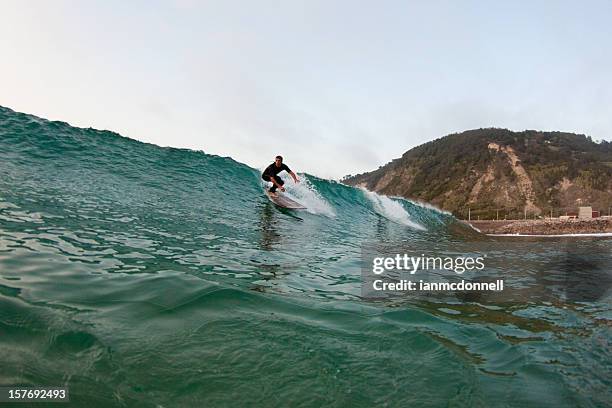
[[425, 205], [588, 234], [391, 210], [306, 194]]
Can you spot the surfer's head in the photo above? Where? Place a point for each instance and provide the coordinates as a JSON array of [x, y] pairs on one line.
[[278, 160]]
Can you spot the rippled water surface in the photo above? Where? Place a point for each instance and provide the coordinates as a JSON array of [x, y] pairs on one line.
[[144, 276]]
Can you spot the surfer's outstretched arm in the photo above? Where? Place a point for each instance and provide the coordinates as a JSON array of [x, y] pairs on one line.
[[295, 179]]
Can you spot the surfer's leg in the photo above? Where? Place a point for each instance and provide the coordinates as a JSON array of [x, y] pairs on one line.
[[279, 181]]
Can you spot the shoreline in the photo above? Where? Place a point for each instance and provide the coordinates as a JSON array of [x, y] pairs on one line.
[[601, 226]]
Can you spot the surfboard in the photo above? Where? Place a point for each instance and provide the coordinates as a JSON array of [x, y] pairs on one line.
[[282, 200]]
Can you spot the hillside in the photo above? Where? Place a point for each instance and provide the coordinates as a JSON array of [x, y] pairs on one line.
[[490, 169]]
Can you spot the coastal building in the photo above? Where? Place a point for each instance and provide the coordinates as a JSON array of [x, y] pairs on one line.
[[585, 212]]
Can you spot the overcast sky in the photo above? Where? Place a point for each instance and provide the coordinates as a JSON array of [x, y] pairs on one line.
[[337, 87]]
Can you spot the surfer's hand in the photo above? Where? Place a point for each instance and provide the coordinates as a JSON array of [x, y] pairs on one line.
[[282, 189]]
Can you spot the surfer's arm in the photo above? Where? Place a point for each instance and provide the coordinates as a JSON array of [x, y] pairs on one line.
[[295, 179]]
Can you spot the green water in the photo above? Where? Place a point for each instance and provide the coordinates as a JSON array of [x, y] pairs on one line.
[[131, 276]]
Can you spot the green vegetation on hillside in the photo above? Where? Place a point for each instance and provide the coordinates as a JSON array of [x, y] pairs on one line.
[[464, 170]]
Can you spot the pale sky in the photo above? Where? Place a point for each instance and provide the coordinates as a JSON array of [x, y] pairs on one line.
[[336, 87]]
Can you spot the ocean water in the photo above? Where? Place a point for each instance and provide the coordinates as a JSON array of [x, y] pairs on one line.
[[144, 276]]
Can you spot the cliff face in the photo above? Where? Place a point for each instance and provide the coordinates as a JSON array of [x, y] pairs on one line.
[[489, 169]]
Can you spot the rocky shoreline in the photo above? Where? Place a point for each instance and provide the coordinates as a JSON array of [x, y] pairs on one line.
[[545, 226]]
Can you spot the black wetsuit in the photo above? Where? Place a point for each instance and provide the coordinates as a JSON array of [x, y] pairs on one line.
[[272, 172]]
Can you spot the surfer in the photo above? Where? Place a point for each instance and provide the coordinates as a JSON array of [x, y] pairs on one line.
[[271, 174]]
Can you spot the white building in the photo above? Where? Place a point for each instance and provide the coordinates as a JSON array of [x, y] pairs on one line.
[[585, 212]]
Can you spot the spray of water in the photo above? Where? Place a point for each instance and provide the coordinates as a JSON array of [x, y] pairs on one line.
[[305, 193], [425, 205], [391, 210]]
